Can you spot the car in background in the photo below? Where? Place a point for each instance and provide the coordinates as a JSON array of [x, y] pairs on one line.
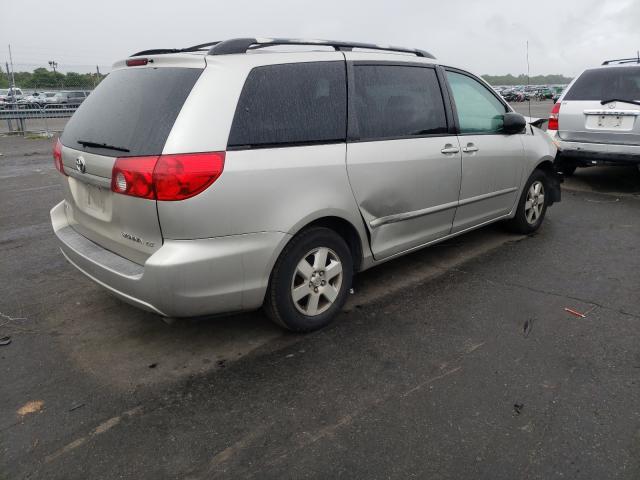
[[596, 121], [40, 99], [9, 96], [513, 95], [72, 97]]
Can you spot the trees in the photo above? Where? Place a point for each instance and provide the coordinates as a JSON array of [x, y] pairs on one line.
[[42, 79]]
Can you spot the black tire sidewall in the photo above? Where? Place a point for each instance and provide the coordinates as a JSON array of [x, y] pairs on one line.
[[282, 308], [520, 220]]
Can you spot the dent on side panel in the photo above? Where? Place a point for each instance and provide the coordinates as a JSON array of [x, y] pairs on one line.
[[406, 190]]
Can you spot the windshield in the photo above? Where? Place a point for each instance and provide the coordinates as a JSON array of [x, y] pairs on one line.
[[620, 83], [133, 109]]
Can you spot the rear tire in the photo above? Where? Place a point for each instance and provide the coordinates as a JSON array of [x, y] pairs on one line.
[[532, 205], [310, 281]]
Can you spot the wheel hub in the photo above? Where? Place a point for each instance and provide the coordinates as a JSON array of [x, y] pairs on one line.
[[317, 281]]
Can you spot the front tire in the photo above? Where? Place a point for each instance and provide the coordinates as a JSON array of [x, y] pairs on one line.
[[532, 206], [310, 281]]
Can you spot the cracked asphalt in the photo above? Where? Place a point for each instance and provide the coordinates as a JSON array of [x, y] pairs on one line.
[[459, 361]]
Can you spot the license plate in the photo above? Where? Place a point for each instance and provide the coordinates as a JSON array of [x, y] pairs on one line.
[[609, 121], [95, 198]]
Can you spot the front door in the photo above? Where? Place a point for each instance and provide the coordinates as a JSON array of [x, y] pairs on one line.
[[492, 162], [403, 165]]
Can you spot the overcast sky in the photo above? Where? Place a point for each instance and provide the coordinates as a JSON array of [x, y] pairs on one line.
[[484, 36]]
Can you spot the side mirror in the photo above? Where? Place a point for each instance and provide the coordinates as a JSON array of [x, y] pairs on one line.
[[513, 123]]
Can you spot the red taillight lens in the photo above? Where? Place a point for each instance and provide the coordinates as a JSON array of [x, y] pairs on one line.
[[553, 118], [134, 176], [177, 177], [57, 156], [167, 177]]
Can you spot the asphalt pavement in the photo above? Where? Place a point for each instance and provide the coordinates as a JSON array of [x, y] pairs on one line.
[[459, 361]]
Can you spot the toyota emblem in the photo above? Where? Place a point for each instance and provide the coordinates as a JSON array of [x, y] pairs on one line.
[[81, 166]]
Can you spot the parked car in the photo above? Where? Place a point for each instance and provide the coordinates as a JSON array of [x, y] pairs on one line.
[[221, 179], [75, 97], [597, 118], [10, 95], [40, 99]]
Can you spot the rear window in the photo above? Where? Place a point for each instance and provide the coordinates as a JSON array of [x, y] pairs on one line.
[[610, 83], [397, 101], [132, 109], [300, 103]]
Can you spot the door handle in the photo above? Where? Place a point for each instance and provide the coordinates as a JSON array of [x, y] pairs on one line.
[[448, 148], [470, 148]]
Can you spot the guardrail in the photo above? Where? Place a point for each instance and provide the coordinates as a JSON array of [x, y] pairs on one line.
[[19, 113]]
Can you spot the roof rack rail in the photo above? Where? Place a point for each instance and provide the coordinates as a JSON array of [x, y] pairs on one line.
[[163, 51], [242, 45], [623, 60]]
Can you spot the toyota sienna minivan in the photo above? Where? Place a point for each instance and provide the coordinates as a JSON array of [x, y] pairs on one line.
[[267, 172]]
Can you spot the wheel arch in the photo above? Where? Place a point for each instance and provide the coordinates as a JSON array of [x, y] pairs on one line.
[[546, 166], [346, 230]]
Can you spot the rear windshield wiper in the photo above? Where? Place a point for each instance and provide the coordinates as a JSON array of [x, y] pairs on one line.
[[604, 102], [86, 143]]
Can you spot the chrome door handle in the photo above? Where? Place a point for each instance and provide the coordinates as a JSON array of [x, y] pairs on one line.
[[448, 148], [470, 148]]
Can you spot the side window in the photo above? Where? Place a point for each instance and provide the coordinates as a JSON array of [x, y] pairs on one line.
[[479, 111], [397, 101], [292, 103]]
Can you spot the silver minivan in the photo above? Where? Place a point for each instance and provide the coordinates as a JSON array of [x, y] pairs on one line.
[[266, 172]]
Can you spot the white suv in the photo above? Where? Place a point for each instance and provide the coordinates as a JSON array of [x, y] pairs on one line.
[[233, 175], [597, 118]]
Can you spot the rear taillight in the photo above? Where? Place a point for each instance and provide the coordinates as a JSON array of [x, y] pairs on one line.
[[553, 117], [134, 176], [177, 177], [57, 156], [166, 177]]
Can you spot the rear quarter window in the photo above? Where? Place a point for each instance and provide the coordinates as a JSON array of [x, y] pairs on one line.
[[299, 103], [609, 83]]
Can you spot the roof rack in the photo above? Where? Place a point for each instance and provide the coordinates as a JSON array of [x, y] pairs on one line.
[[623, 60], [163, 51], [242, 45]]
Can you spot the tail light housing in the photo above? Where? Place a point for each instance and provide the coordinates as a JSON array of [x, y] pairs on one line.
[[57, 156], [553, 117], [167, 177]]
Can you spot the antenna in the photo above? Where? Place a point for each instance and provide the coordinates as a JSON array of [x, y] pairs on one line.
[[528, 77]]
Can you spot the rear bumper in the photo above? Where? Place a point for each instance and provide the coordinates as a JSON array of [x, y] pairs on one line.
[[589, 153], [183, 278]]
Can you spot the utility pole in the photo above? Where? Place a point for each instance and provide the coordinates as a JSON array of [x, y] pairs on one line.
[[96, 79], [53, 64], [13, 80]]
